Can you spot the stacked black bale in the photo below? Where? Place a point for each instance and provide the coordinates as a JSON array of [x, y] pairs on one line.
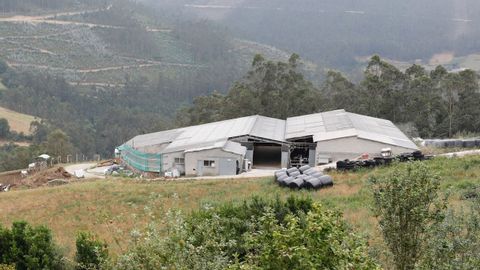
[[304, 177], [347, 165]]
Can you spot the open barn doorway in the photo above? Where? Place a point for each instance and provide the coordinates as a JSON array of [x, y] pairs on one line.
[[267, 155]]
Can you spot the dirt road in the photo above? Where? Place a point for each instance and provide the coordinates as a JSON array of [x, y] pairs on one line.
[[95, 173]]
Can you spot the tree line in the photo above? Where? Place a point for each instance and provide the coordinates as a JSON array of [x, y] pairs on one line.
[[429, 104]]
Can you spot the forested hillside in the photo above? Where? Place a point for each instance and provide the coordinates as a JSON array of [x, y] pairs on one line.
[[336, 32]]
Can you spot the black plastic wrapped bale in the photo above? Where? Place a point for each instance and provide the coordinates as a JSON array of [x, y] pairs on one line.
[[459, 143], [469, 143], [304, 168], [291, 170], [450, 143], [280, 172], [313, 183], [296, 183], [477, 142], [418, 155], [310, 171], [316, 174], [281, 179], [326, 180], [345, 165], [295, 173], [288, 180]]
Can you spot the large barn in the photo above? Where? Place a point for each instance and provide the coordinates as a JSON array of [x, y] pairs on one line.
[[232, 146]]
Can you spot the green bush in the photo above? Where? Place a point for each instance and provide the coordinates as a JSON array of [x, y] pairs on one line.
[[91, 252], [28, 247], [406, 203], [257, 234], [454, 242]]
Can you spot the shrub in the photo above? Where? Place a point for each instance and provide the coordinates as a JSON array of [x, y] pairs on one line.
[[91, 252], [257, 234], [454, 242], [406, 204], [28, 247]]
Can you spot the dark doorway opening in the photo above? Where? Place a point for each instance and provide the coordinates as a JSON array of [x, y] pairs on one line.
[[267, 156]]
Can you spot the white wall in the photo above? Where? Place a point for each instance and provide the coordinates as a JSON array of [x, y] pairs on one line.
[[169, 161], [192, 158], [353, 147]]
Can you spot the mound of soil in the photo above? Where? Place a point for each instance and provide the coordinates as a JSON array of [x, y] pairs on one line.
[[43, 177]]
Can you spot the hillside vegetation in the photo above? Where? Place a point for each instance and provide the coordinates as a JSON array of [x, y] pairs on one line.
[[113, 208], [18, 122]]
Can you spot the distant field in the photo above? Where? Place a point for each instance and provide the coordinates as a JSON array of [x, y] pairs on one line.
[[112, 208], [18, 122]]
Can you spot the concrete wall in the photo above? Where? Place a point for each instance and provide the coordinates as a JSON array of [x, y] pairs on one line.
[[353, 147], [169, 162], [192, 158]]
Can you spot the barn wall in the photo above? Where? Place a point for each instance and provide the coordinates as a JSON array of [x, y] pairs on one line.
[[169, 162], [353, 147], [192, 158]]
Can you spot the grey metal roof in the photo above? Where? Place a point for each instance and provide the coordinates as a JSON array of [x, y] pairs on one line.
[[321, 126], [341, 124], [225, 145], [203, 135]]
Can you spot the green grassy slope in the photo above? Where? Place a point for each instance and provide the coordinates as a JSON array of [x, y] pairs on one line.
[[112, 208]]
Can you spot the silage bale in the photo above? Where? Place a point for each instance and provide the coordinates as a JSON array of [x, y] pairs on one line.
[[469, 143], [280, 172], [313, 183], [291, 170], [288, 180], [317, 174], [296, 183], [282, 177], [477, 142], [449, 143], [458, 143], [295, 173], [310, 171], [304, 168], [430, 143], [326, 180]]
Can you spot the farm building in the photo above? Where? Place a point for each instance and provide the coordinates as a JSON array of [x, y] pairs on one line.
[[232, 146]]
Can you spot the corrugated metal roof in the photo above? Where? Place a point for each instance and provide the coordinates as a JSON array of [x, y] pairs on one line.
[[321, 126], [197, 136], [225, 145], [340, 124]]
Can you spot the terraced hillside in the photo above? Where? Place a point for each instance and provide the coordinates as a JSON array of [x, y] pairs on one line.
[[102, 47]]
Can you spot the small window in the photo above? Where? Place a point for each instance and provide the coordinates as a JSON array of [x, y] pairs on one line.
[[209, 163], [180, 161]]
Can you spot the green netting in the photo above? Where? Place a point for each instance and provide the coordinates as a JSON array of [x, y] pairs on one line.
[[141, 161]]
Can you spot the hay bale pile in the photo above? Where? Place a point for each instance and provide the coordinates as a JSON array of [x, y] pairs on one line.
[[303, 177]]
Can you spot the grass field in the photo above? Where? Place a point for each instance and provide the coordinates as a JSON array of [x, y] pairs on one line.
[[18, 122], [112, 208]]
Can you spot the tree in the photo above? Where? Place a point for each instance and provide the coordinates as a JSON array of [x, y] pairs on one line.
[[28, 247], [4, 128], [406, 202], [58, 144]]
